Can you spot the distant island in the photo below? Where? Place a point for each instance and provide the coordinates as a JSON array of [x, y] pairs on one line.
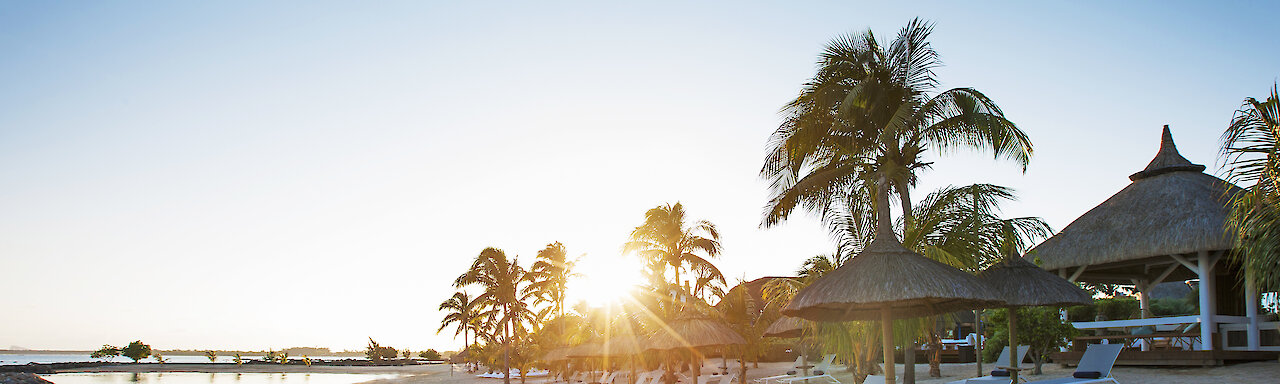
[[295, 351]]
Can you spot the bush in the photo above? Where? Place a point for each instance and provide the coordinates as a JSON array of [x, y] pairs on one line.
[[375, 352], [1040, 327], [136, 350], [1173, 307], [430, 354], [107, 352]]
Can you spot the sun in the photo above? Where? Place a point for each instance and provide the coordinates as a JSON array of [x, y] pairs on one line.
[[603, 279]]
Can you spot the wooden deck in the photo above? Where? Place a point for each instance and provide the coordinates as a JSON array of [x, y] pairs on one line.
[[1175, 358]]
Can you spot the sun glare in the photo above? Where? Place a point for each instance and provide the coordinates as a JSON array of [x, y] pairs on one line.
[[603, 279]]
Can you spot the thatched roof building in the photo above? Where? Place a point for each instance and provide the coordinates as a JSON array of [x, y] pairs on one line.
[[1171, 207], [1168, 224]]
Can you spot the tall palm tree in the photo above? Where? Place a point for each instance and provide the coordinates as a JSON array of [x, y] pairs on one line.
[[504, 283], [869, 114], [1251, 150], [961, 226], [460, 312], [550, 275], [665, 240]]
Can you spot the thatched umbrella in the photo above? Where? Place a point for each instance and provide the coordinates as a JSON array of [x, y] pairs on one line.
[[622, 346], [692, 332], [887, 281], [786, 327], [1022, 284], [557, 354], [790, 327]]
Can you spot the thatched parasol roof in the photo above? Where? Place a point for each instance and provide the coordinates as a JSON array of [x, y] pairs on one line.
[[557, 354], [1020, 284], [586, 350], [1171, 207], [693, 332], [786, 326], [887, 274], [616, 346]]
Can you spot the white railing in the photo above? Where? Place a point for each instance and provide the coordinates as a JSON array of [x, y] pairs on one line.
[[1226, 329], [1171, 320], [1136, 322]]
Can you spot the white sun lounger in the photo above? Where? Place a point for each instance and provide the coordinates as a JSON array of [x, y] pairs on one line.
[[720, 379], [650, 377], [607, 378], [1097, 358], [1003, 360], [824, 367], [796, 365]]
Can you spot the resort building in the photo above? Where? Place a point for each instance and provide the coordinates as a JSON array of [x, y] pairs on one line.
[[1167, 225]]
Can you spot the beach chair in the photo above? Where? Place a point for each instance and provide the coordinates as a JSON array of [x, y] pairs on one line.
[[719, 379], [1003, 360], [650, 377], [607, 378], [822, 371], [1095, 366], [796, 365]]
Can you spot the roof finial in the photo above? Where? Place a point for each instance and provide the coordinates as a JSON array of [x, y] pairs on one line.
[[1167, 160]]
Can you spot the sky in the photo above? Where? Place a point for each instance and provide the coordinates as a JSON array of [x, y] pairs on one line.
[[244, 175]]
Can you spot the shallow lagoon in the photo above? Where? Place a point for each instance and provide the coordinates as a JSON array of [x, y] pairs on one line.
[[213, 378]]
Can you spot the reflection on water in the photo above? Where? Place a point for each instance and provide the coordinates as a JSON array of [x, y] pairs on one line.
[[211, 378]]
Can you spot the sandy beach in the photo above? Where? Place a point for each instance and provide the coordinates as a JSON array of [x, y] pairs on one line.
[[1257, 372]]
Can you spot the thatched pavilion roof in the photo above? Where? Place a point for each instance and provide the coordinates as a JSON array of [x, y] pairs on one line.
[[693, 332], [887, 274], [1022, 284], [615, 346], [785, 326], [1171, 207]]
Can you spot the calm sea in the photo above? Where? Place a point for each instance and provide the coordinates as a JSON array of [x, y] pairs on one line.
[[19, 359], [212, 378]]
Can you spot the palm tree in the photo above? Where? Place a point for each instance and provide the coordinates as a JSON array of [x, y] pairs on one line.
[[505, 291], [961, 226], [550, 275], [1251, 149], [868, 115], [460, 311], [664, 240]]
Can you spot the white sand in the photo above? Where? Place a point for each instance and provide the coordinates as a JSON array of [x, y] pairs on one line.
[[1258, 372]]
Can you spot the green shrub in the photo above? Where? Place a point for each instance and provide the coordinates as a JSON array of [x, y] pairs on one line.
[[1172, 307], [136, 350], [1118, 308]]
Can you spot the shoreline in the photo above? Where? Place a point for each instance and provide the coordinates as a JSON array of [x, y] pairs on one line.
[[1255, 372]]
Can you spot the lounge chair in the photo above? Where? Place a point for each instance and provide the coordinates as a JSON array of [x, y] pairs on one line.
[[650, 377], [1003, 360], [1095, 366], [820, 371], [607, 378], [720, 379], [796, 365]]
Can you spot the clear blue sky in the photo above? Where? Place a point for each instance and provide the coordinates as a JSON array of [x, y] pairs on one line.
[[247, 175]]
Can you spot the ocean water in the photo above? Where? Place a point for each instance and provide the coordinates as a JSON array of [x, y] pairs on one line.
[[212, 378], [20, 359]]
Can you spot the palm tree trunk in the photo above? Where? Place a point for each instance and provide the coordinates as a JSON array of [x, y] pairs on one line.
[[904, 197], [506, 349]]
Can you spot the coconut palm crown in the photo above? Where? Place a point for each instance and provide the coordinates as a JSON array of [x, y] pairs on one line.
[[870, 112]]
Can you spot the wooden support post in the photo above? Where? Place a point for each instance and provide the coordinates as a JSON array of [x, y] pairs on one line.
[[1144, 306], [1013, 345], [1251, 311], [1206, 303], [886, 332]]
